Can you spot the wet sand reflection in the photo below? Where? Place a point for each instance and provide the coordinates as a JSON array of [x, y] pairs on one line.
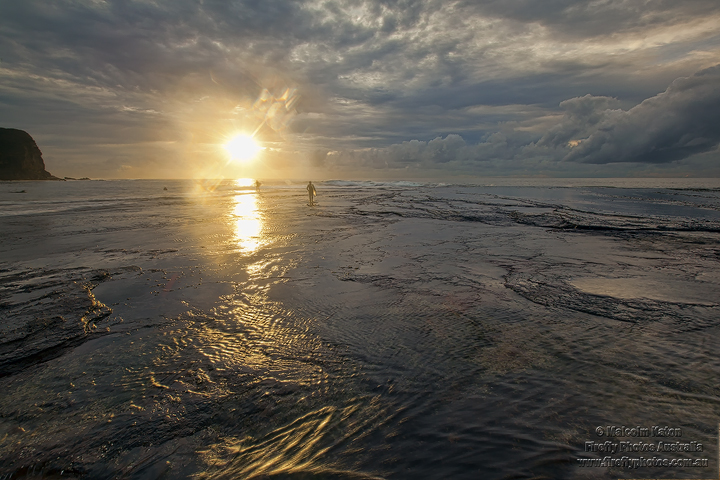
[[247, 222]]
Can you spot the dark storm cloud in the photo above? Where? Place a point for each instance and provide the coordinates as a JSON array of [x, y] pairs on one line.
[[381, 83], [581, 115], [134, 44], [676, 124], [682, 121]]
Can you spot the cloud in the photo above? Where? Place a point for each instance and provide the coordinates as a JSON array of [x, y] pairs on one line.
[[581, 114], [674, 125], [451, 151], [318, 158], [388, 83], [683, 120], [593, 19]]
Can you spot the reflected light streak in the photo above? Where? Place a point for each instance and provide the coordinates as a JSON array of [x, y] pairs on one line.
[[244, 182], [248, 222]]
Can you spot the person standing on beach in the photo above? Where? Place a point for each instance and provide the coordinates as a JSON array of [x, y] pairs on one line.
[[311, 192]]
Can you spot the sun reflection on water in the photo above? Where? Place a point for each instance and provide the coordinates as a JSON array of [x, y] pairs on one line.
[[244, 182], [247, 222]]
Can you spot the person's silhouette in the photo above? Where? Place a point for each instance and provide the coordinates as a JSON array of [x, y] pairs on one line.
[[311, 192]]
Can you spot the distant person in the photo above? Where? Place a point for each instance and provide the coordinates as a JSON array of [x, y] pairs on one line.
[[311, 193], [257, 185]]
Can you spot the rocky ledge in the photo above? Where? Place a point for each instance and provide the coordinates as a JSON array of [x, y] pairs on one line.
[[20, 157]]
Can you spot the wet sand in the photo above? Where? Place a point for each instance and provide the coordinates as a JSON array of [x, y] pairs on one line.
[[393, 331]]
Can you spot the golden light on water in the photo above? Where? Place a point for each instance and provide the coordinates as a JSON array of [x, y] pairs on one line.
[[242, 148], [247, 222], [244, 182]]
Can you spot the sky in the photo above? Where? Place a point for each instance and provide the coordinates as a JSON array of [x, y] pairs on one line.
[[392, 89]]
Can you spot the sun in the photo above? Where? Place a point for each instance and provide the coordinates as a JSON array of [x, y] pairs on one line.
[[242, 147]]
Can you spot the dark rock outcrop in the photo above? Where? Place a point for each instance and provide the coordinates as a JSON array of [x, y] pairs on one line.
[[45, 313], [20, 157]]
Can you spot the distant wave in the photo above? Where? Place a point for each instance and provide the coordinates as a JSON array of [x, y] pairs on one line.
[[369, 183], [40, 207]]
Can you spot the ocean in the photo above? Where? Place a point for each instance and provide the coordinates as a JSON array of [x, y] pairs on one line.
[[508, 329]]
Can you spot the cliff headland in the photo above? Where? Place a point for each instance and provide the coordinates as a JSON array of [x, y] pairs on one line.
[[20, 157]]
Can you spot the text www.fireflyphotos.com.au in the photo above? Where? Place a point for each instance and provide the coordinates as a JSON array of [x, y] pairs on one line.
[[656, 441]]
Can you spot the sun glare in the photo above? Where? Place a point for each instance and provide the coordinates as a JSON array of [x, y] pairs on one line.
[[242, 148]]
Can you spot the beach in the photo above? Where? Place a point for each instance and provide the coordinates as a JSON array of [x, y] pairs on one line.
[[209, 329]]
